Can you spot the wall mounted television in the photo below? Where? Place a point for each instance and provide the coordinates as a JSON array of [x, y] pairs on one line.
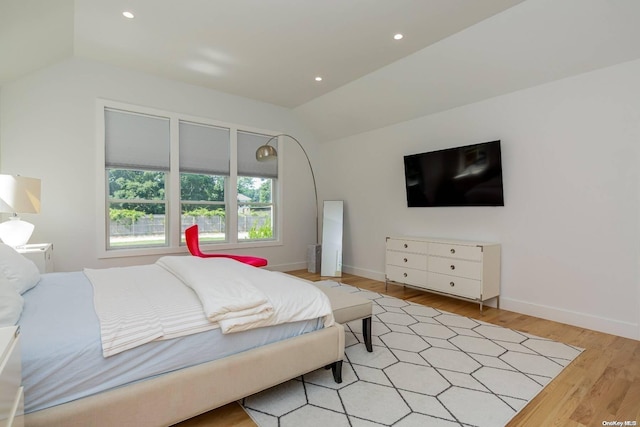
[[462, 176]]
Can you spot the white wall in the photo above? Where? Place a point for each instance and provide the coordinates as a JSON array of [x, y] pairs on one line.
[[570, 225], [48, 131], [570, 228]]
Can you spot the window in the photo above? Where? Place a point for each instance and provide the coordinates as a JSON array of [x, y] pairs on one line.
[[137, 208], [254, 189], [137, 164], [204, 170], [164, 172]]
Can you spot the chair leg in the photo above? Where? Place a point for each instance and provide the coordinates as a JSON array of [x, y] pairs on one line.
[[366, 331]]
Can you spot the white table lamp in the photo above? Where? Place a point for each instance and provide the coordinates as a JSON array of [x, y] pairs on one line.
[[18, 194]]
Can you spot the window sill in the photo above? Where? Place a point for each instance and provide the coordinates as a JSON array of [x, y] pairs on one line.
[[214, 248]]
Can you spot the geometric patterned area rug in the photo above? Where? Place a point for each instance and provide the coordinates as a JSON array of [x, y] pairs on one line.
[[428, 368]]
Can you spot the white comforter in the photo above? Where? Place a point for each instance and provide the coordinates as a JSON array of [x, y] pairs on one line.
[[178, 296]]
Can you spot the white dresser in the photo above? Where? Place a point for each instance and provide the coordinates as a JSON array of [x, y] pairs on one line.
[[466, 270], [11, 393]]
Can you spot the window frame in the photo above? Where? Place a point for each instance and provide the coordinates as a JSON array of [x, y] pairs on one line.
[[222, 204], [253, 205], [172, 187], [109, 201]]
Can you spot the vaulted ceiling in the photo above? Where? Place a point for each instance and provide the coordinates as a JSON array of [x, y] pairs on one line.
[[453, 52], [270, 50]]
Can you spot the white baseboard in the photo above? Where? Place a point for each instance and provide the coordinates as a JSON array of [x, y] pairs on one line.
[[368, 274], [301, 265], [583, 320]]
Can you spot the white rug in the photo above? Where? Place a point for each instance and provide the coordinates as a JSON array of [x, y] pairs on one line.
[[428, 368]]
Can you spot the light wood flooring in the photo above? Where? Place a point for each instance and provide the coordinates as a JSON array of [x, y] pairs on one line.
[[602, 384]]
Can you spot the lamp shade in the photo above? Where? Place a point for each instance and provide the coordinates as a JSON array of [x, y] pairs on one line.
[[265, 153], [19, 194]]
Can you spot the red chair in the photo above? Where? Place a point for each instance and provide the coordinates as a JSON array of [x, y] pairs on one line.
[[193, 243]]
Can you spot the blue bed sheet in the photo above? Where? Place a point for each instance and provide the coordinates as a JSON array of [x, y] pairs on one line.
[[62, 355]]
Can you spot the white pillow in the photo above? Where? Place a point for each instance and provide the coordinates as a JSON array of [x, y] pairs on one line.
[[17, 271], [11, 303]]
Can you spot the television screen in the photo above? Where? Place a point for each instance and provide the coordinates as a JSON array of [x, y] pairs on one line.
[[461, 176]]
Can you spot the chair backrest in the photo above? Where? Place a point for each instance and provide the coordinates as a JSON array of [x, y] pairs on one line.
[[193, 243]]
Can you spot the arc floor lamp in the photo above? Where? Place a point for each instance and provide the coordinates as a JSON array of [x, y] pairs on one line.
[[268, 152]]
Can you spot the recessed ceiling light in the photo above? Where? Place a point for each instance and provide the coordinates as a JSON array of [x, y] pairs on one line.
[[128, 14], [398, 36], [318, 79]]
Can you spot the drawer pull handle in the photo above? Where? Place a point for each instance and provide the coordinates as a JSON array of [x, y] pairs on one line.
[[406, 246], [453, 267], [453, 251], [404, 274], [405, 260], [452, 284]]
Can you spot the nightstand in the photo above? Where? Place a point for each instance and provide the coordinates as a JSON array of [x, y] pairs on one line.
[[11, 391], [41, 254]]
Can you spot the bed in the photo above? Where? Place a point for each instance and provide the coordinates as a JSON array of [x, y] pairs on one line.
[[69, 382]]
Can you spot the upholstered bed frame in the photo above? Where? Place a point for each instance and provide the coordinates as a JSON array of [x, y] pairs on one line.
[[176, 396]]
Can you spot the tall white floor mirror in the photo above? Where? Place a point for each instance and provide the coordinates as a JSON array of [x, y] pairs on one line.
[[332, 217]]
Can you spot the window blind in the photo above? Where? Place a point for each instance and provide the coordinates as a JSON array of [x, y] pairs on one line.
[[136, 141], [248, 143], [204, 149]]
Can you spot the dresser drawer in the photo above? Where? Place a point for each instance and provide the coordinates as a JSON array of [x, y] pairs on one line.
[[456, 251], [455, 285], [456, 267], [407, 246], [408, 276], [407, 260]]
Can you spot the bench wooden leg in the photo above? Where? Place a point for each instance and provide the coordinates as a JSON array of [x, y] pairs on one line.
[[366, 331]]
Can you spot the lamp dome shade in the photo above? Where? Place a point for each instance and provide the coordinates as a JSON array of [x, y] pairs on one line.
[[266, 152]]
